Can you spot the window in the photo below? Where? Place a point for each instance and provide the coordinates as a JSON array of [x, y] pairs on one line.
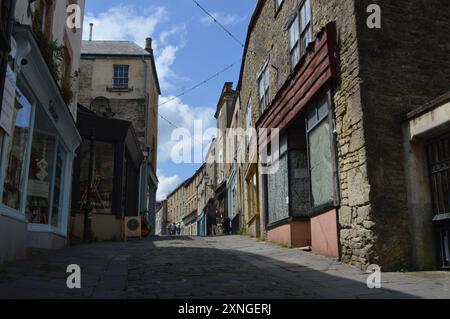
[[40, 179], [320, 153], [120, 79], [249, 122], [17, 151], [278, 4], [300, 33], [263, 84], [278, 183], [103, 176]]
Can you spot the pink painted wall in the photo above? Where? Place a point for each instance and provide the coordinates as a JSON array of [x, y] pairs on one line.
[[324, 235], [297, 234]]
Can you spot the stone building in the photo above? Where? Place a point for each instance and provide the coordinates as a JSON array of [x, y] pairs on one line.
[[224, 160], [176, 205], [339, 90], [38, 133], [119, 79], [161, 224], [207, 192], [191, 214]]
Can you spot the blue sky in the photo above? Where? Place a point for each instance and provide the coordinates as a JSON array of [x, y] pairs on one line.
[[189, 48]]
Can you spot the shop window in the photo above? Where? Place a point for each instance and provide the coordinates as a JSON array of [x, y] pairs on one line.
[[103, 176], [40, 178], [320, 153], [17, 153], [57, 187], [300, 33], [278, 184], [120, 79], [45, 177]]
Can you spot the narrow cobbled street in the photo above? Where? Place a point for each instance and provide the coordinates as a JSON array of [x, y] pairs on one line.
[[184, 267]]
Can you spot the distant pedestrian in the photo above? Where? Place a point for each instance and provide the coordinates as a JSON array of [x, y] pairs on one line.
[[227, 225], [173, 229], [178, 230]]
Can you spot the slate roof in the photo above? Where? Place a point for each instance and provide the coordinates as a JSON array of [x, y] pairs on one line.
[[112, 48]]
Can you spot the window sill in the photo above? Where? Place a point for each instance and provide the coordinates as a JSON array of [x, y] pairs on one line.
[[11, 213], [119, 90], [38, 228]]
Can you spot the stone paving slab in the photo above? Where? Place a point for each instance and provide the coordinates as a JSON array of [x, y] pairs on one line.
[[205, 268]]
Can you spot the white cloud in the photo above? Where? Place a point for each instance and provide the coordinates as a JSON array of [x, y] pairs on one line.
[[183, 116], [164, 61], [166, 185], [224, 18], [178, 31], [125, 22]]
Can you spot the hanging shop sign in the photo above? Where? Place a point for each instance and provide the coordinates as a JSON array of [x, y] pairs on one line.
[[9, 95]]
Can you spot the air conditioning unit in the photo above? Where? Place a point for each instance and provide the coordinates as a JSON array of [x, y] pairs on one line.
[[132, 227]]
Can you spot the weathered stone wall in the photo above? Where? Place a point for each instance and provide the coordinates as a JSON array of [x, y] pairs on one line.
[[268, 41], [403, 65], [356, 237], [96, 77], [85, 82], [270, 37]]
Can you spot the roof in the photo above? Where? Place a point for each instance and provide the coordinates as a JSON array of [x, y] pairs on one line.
[[112, 48]]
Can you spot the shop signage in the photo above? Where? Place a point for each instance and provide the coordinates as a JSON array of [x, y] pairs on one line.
[[9, 95]]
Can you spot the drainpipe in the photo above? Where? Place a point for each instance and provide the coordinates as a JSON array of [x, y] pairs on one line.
[[144, 167]]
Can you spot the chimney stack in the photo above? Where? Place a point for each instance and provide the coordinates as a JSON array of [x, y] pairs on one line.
[[148, 45], [91, 25]]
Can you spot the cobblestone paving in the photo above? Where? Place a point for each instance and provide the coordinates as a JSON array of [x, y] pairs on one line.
[[220, 267]]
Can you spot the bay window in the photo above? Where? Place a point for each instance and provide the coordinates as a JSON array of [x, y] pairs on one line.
[[13, 187], [45, 173], [301, 178]]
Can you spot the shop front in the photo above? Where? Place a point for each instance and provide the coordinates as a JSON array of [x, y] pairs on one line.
[[190, 224], [300, 188], [106, 177], [201, 224], [39, 138]]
